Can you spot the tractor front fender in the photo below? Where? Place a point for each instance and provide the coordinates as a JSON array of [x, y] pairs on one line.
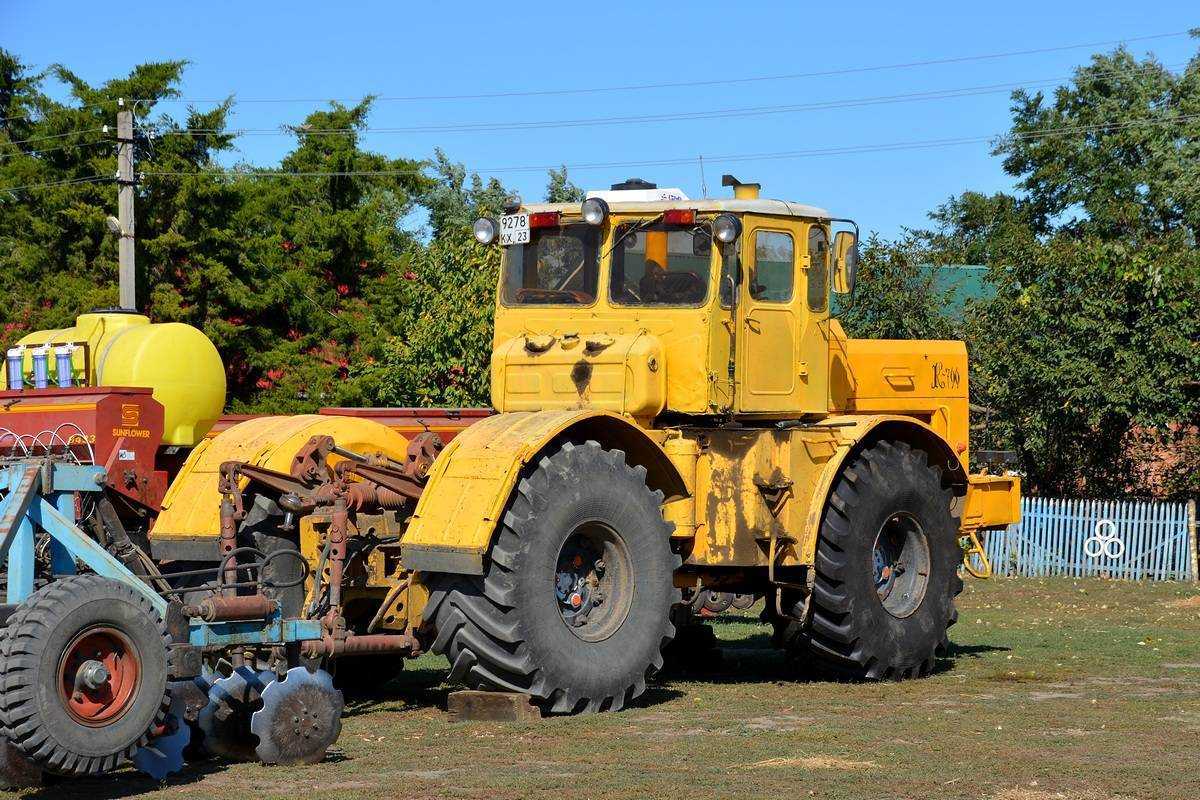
[[471, 482]]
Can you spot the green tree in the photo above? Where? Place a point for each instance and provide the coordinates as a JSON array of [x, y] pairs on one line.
[[441, 351], [896, 296], [1117, 152], [57, 257], [559, 188], [1087, 345], [456, 199]]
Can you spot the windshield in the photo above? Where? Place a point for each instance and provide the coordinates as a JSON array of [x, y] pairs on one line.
[[556, 267], [660, 265]]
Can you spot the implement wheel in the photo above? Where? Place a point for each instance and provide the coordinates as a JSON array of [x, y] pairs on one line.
[[84, 675], [886, 568], [574, 608]]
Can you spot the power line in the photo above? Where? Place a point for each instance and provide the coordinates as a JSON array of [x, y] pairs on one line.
[[102, 129], [729, 158], [722, 113], [698, 83], [55, 149], [53, 184], [641, 86], [839, 150]]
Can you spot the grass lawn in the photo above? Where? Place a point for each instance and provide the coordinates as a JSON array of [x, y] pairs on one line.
[[1077, 689]]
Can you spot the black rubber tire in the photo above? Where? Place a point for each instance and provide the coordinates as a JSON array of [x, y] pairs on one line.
[[35, 720], [851, 635], [16, 771], [504, 630]]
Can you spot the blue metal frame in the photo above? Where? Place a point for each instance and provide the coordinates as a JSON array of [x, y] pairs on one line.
[[41, 495]]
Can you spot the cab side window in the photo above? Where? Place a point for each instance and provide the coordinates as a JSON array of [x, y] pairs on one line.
[[818, 269], [772, 273]]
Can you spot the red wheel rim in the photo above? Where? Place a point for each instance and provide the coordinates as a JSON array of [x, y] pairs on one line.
[[108, 699]]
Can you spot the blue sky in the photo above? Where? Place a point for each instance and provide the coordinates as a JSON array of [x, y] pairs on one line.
[[310, 50]]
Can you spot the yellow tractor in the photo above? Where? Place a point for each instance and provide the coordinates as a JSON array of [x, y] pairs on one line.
[[678, 417], [677, 412]]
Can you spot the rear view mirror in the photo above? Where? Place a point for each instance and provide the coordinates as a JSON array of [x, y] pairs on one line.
[[845, 261]]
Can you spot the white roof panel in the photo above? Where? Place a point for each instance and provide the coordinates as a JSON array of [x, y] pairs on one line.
[[757, 206]]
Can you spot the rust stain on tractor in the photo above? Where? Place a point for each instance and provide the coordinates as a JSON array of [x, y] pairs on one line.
[[581, 375]]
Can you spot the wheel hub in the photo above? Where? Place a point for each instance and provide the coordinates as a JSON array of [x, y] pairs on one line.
[[592, 581], [901, 564], [98, 676]]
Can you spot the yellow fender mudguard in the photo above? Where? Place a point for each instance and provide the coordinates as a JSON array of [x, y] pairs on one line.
[[473, 478], [191, 508], [987, 501]]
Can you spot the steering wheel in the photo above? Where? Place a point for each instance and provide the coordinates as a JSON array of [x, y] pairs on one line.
[[683, 285]]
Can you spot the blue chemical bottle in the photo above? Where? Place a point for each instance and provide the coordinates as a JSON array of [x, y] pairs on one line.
[[63, 366], [15, 369], [41, 367]]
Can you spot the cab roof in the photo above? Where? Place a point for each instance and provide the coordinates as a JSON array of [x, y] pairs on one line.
[[783, 208]]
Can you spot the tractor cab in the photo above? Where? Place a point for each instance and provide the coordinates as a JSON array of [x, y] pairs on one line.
[[643, 301]]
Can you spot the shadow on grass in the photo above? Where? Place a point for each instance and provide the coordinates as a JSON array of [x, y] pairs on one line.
[[417, 687], [126, 783], [738, 651]]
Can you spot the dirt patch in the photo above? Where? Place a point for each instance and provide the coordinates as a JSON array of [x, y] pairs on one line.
[[812, 762], [1054, 695], [1185, 602], [783, 722], [1039, 794]]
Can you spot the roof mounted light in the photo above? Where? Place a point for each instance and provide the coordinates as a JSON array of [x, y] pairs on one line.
[[726, 228], [485, 230], [594, 211]]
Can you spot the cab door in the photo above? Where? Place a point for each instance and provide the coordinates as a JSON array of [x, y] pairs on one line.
[[782, 346]]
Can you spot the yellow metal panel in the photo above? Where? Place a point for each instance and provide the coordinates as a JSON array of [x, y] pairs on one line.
[[993, 501], [751, 484], [192, 504], [472, 480], [623, 373]]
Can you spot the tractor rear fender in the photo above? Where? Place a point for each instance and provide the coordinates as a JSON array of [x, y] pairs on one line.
[[856, 433], [470, 483]]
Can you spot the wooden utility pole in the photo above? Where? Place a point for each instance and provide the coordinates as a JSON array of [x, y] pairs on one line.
[[125, 182]]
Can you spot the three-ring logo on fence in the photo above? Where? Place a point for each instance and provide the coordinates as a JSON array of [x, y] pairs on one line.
[[1104, 541]]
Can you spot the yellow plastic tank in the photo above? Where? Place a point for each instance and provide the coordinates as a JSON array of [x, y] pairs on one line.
[[175, 360]]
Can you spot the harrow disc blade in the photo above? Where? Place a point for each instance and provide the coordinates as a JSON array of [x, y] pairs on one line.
[[163, 755], [301, 717], [225, 721]]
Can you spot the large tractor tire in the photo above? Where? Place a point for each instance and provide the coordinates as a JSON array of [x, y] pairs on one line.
[[16, 771], [574, 607], [886, 569], [83, 675]]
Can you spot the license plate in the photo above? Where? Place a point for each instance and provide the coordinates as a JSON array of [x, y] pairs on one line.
[[514, 229]]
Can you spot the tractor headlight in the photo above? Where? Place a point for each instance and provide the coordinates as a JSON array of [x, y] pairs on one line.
[[484, 230], [726, 228], [594, 211]]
